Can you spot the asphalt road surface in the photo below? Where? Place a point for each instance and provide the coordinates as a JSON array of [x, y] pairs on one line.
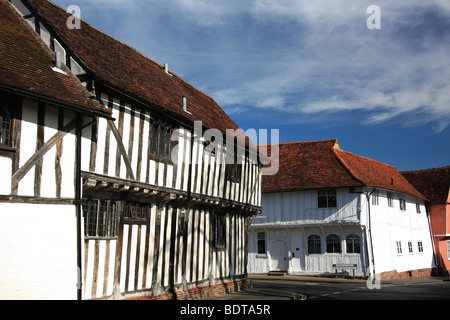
[[302, 290]]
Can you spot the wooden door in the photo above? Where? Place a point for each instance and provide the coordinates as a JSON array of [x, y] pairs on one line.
[[279, 257]]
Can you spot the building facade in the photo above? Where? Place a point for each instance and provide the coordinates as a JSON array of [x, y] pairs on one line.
[[328, 211], [434, 183], [123, 197]]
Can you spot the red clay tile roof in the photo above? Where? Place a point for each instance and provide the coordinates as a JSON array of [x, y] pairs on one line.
[[323, 164], [376, 174], [307, 165], [26, 65], [126, 70], [433, 183]]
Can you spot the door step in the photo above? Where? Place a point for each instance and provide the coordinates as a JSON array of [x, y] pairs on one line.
[[277, 273]]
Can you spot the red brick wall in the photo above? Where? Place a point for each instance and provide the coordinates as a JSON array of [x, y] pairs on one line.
[[203, 292], [408, 274]]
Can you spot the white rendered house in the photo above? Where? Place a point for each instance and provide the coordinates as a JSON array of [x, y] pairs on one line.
[[328, 211]]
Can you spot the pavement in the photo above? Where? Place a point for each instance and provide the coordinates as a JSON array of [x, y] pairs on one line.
[[356, 280]]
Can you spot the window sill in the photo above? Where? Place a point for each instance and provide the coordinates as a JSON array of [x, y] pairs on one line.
[[261, 256], [8, 149], [100, 238], [161, 159]]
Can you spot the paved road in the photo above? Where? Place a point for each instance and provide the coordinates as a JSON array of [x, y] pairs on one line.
[[315, 289]]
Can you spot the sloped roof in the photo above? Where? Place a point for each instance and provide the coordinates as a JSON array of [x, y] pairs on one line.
[[323, 164], [26, 66], [307, 165], [123, 68], [433, 183], [373, 173]]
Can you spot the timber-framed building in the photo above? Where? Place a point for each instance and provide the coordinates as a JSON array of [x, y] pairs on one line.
[[97, 190]]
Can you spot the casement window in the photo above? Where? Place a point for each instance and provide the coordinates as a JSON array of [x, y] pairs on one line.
[[327, 198], [6, 125], [135, 212], [314, 244], [402, 204], [160, 133], [417, 207], [420, 246], [375, 198], [399, 247], [233, 167], [220, 231], [410, 247], [100, 218], [261, 243], [333, 244], [390, 199], [353, 243]]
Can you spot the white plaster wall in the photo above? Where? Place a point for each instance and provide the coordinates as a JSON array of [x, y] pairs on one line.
[[37, 252], [389, 225], [28, 145], [5, 175]]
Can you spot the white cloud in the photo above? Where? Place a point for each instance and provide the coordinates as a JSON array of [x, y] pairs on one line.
[[302, 57]]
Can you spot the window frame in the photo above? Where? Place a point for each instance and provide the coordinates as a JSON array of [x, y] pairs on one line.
[[402, 203], [353, 241], [390, 199], [399, 247], [160, 144], [418, 210], [420, 246], [376, 198], [104, 221], [233, 171], [333, 241], [314, 244], [220, 231], [6, 107], [326, 198], [135, 212], [410, 247], [261, 243]]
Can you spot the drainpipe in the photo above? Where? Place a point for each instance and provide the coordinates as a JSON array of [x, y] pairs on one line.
[[369, 228], [436, 263], [78, 198], [370, 234]]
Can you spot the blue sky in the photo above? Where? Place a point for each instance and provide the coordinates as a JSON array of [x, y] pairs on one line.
[[311, 69]]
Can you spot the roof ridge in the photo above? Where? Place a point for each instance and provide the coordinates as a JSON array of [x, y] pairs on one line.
[[346, 166], [427, 169], [370, 159], [298, 142]]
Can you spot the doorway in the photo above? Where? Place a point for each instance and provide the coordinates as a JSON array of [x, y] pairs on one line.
[[279, 259]]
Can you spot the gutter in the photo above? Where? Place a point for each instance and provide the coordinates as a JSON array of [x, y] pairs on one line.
[[90, 112]]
